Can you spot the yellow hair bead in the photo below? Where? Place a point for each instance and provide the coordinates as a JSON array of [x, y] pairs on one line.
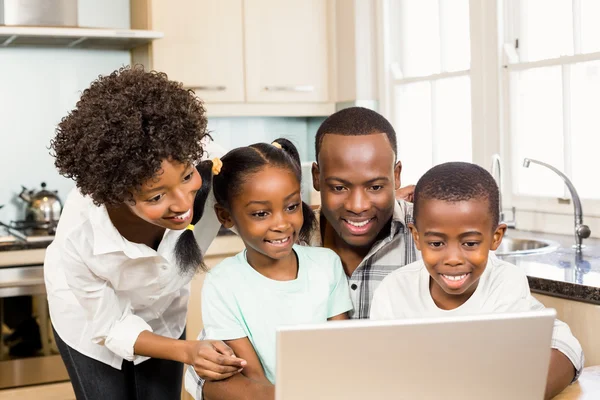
[[217, 165], [190, 227], [276, 145]]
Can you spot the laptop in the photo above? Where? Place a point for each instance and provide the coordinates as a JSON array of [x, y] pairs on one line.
[[499, 356]]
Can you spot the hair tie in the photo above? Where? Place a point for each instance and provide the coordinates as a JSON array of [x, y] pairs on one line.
[[190, 227], [217, 165], [276, 145]]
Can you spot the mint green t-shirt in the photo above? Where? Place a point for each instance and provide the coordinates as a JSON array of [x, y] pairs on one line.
[[238, 302]]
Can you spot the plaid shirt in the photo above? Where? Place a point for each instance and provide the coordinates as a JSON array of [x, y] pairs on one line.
[[387, 255]]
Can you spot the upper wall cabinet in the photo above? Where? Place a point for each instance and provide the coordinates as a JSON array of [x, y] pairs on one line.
[[286, 50], [202, 46], [243, 52]]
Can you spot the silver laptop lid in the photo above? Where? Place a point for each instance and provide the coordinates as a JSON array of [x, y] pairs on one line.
[[499, 356]]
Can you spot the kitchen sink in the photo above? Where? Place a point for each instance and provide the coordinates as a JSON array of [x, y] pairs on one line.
[[520, 246]]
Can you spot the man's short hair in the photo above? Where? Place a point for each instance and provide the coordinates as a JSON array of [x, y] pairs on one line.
[[355, 121], [458, 181]]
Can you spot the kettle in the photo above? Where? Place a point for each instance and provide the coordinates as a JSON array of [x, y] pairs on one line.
[[43, 207]]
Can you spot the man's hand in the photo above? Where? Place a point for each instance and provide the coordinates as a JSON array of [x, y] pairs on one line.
[[406, 193], [213, 360]]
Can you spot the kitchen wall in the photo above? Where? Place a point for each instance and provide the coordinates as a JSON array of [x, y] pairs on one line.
[[38, 86]]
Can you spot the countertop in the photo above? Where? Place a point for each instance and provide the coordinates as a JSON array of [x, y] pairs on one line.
[[43, 242], [562, 273]]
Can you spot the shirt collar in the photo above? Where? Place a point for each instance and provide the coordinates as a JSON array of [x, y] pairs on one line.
[[401, 217], [107, 238]]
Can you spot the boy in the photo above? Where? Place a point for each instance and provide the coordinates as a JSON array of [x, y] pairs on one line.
[[456, 226]]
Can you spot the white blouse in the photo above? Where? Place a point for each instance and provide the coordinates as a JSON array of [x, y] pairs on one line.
[[103, 290]]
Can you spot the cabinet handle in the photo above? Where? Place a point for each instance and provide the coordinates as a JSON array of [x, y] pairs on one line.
[[214, 88], [299, 88]]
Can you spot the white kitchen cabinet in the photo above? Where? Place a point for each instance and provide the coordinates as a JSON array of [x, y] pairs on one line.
[[286, 50], [202, 45], [244, 57]]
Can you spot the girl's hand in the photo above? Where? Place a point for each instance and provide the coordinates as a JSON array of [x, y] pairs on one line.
[[213, 360]]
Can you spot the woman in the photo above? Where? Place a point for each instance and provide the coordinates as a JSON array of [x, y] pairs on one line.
[[118, 270]]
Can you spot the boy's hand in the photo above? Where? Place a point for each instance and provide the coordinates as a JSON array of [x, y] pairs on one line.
[[406, 193], [213, 360]]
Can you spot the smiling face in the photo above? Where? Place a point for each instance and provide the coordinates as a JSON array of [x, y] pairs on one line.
[[167, 199], [267, 214], [455, 239], [357, 177]]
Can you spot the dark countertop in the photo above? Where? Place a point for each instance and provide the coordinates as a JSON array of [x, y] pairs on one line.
[[562, 273]]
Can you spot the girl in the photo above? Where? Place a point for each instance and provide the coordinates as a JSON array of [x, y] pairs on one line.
[[117, 272], [273, 281]]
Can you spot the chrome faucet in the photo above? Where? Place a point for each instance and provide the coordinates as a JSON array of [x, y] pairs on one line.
[[497, 170], [581, 231]]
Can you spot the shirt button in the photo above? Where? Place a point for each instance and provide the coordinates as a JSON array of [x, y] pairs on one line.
[[353, 286]]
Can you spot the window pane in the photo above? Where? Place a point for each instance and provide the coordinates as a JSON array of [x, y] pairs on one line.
[[585, 125], [590, 28], [419, 37], [455, 35], [452, 120], [537, 130], [412, 122], [546, 29]]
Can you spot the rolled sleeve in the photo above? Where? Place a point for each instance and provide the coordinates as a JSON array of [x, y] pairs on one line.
[[122, 336]]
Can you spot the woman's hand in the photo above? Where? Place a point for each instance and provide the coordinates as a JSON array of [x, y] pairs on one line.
[[213, 360]]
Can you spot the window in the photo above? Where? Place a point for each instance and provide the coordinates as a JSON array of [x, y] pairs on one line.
[[427, 58], [552, 59]]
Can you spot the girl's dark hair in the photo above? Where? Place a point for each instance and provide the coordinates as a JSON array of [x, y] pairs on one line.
[[240, 163], [188, 254]]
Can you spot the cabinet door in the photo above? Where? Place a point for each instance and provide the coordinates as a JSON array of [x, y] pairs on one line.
[[286, 50], [202, 46]]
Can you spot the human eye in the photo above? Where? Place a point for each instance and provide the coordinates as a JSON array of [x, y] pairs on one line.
[[189, 176], [435, 245], [259, 214], [155, 199], [293, 207]]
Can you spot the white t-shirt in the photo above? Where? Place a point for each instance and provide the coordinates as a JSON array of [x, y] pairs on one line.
[[238, 301], [104, 290], [502, 287]]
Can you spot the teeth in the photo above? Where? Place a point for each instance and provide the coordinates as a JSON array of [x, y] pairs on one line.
[[359, 224], [183, 217], [280, 241], [455, 277]]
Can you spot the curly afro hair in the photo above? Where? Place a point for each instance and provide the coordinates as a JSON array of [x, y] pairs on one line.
[[122, 128]]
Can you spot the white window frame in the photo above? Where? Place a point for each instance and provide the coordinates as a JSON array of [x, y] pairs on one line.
[[490, 115], [547, 206]]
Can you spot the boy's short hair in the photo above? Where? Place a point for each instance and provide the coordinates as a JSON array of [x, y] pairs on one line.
[[458, 181], [122, 128], [355, 121]]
